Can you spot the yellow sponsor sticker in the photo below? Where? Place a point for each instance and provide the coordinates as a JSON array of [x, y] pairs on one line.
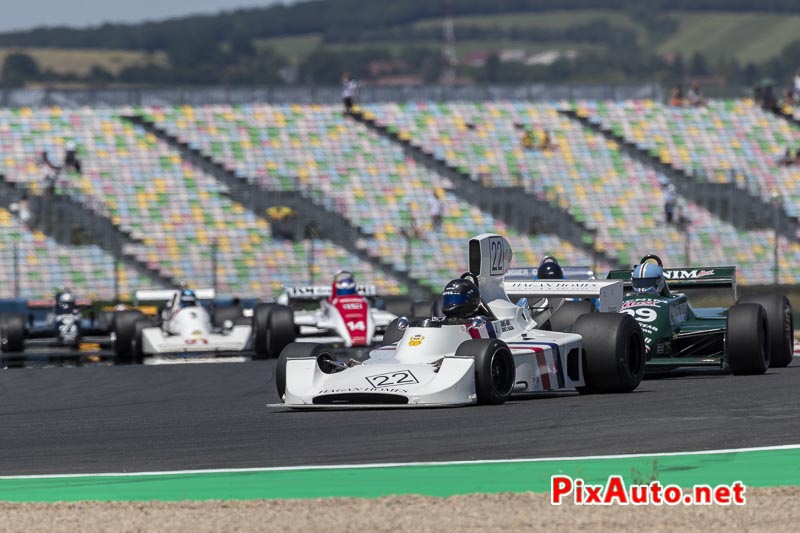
[[416, 340]]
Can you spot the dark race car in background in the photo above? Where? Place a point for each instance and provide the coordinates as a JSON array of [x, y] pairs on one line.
[[28, 326], [753, 334]]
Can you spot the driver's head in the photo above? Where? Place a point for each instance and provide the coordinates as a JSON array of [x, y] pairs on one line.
[[648, 278], [345, 284], [460, 299], [188, 298], [65, 302], [549, 269]]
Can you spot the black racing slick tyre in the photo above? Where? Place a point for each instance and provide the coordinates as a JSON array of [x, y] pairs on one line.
[[780, 326], [746, 339], [274, 325], [12, 339], [124, 330], [563, 320], [614, 355], [301, 350], [137, 344], [495, 370], [261, 314]]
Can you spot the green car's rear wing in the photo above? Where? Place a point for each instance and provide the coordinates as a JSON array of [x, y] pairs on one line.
[[717, 277]]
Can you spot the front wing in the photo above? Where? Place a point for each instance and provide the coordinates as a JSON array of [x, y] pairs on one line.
[[154, 341]]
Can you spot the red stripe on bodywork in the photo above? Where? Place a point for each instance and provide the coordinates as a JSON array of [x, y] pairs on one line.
[[541, 360]]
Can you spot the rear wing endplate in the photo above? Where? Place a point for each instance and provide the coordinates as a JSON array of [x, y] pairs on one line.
[[609, 293]]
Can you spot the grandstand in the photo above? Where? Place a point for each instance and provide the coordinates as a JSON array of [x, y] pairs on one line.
[[366, 177], [43, 265], [176, 212]]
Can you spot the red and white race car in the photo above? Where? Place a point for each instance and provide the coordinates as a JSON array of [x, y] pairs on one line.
[[345, 314]]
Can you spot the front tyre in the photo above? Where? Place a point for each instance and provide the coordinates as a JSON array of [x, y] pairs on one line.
[[746, 339], [302, 350], [495, 370], [780, 326], [614, 356]]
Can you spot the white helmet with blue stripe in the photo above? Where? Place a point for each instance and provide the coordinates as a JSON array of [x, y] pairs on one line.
[[648, 278]]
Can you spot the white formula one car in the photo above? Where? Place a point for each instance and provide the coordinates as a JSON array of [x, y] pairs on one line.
[[484, 349], [344, 316], [184, 327]]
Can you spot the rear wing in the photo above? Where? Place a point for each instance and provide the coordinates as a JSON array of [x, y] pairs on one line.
[[609, 293], [529, 273], [162, 295], [718, 277], [320, 292]]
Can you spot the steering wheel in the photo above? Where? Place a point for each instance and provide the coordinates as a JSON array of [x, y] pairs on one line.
[[650, 257]]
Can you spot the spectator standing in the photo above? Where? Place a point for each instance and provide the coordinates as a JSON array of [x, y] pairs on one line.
[[669, 204], [676, 96], [693, 96], [349, 87], [437, 209], [787, 158], [71, 157]]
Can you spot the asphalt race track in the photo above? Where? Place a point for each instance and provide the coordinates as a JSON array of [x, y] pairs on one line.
[[148, 418]]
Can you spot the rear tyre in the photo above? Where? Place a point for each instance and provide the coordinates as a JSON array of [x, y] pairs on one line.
[[124, 330], [275, 329], [12, 339], [747, 341], [137, 346], [780, 327], [614, 355], [564, 318], [261, 314], [495, 370], [301, 350]]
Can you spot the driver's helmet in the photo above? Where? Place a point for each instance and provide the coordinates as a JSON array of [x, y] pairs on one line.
[[460, 299], [65, 303], [187, 299], [345, 284], [648, 278], [549, 269]]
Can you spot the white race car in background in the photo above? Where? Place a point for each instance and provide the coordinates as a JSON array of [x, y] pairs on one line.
[[184, 326], [484, 358], [344, 316]]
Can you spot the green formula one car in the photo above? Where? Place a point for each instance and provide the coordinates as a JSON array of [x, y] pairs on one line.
[[755, 333]]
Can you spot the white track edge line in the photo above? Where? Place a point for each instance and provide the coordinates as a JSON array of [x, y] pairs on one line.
[[399, 465]]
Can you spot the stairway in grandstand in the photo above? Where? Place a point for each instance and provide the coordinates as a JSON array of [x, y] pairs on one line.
[[519, 208], [315, 215], [676, 143], [66, 245]]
